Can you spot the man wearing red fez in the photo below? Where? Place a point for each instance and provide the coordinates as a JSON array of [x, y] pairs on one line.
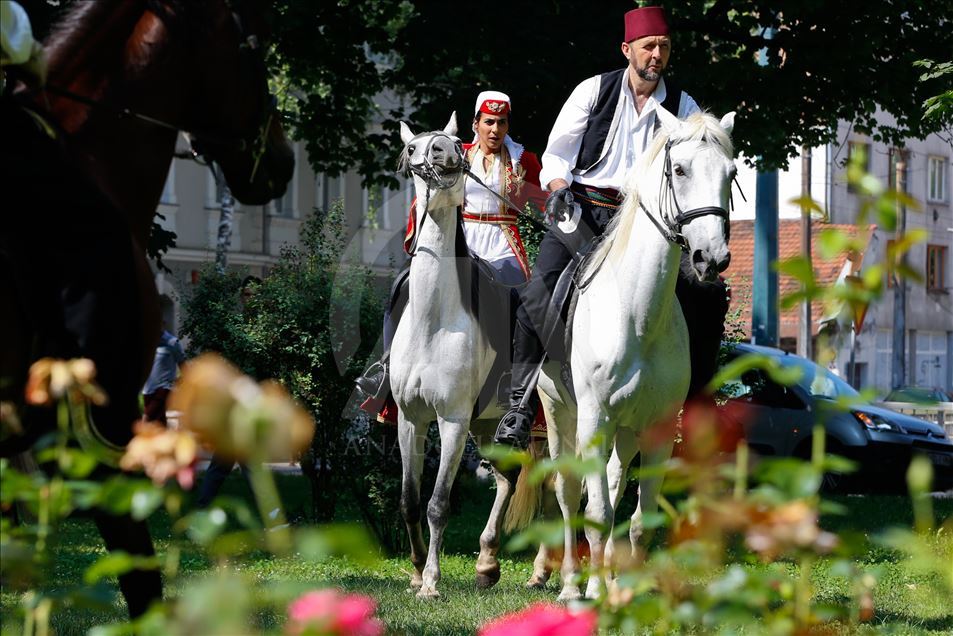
[[601, 132]]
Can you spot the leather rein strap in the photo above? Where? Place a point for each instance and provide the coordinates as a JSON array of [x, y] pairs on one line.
[[673, 232]]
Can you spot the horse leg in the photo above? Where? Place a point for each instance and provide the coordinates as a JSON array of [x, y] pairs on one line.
[[487, 565], [542, 564], [411, 438], [599, 512], [453, 438], [561, 433], [623, 451], [140, 587], [649, 488]]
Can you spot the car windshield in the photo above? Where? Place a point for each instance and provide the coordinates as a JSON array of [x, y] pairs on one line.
[[818, 381], [916, 394]]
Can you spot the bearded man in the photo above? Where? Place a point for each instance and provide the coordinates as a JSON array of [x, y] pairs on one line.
[[601, 132]]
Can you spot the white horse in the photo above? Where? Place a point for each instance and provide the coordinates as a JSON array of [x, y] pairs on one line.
[[440, 359], [629, 354]]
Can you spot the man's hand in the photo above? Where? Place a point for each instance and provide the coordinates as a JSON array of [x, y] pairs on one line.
[[559, 205]]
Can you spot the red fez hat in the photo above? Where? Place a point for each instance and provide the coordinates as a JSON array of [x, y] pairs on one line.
[[643, 22], [492, 103]]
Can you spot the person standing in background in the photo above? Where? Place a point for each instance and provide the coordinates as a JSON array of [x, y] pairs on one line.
[[165, 369]]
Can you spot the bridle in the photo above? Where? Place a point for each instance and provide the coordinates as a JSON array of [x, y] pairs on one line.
[[203, 144], [428, 172], [672, 230]]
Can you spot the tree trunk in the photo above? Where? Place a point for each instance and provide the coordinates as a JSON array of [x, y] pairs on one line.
[[224, 238]]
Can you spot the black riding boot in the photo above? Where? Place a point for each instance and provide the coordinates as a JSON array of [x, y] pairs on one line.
[[375, 381], [515, 426]]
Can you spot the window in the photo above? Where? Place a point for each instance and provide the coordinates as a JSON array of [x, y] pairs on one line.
[[936, 179], [337, 189], [321, 191], [898, 154], [287, 204], [168, 190], [329, 190], [936, 258]]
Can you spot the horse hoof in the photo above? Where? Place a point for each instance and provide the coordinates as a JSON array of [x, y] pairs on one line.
[[537, 582], [416, 581], [428, 595], [569, 594], [486, 580]]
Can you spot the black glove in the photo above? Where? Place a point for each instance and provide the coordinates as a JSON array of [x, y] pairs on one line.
[[559, 205]]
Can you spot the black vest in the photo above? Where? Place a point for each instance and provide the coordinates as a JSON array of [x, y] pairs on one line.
[[603, 112]]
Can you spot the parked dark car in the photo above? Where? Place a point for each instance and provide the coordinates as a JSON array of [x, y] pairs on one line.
[[778, 420]]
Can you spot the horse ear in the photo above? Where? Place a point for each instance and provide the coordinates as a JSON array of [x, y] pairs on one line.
[[405, 134], [728, 122], [668, 121], [451, 128]]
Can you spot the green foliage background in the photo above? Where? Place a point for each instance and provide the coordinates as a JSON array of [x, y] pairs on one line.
[[311, 325]]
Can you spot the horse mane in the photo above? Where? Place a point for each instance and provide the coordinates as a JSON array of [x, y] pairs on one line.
[[403, 163], [701, 127]]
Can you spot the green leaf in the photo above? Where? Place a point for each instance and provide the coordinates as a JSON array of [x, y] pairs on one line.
[[808, 204], [145, 501], [538, 533], [838, 464], [205, 525], [568, 465], [800, 268], [352, 541], [832, 242], [111, 565], [76, 464], [505, 457]]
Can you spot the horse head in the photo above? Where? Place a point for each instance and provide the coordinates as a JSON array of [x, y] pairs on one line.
[[436, 161], [695, 172], [234, 109]]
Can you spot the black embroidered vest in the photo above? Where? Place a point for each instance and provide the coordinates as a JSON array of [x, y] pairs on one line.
[[595, 140]]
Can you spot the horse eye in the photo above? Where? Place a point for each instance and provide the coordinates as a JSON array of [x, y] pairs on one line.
[[679, 170], [410, 150]]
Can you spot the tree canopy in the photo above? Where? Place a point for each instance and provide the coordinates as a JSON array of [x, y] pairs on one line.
[[823, 62], [353, 68]]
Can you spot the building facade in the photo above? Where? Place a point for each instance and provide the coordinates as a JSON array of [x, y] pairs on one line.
[[928, 314]]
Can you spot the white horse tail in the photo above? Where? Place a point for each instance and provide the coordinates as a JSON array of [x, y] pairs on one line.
[[527, 497]]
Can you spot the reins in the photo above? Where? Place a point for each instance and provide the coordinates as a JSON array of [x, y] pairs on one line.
[[673, 232], [122, 112], [509, 204]]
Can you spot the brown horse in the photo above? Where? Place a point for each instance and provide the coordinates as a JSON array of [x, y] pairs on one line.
[[124, 77]]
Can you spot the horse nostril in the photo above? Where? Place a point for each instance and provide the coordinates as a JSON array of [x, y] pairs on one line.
[[698, 257], [723, 265]]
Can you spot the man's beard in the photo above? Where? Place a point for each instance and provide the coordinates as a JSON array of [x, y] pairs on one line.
[[649, 76]]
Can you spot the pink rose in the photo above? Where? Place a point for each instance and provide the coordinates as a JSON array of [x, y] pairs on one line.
[[331, 613], [543, 620]]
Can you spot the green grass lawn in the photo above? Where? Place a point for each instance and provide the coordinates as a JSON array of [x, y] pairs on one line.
[[904, 603]]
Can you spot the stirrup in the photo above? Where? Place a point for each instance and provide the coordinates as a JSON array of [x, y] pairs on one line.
[[514, 429], [373, 382]]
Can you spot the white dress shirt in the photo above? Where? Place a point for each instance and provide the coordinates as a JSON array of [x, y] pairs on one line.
[[485, 239], [632, 137]]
